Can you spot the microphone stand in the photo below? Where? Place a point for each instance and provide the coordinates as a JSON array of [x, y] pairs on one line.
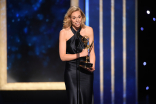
[[78, 70]]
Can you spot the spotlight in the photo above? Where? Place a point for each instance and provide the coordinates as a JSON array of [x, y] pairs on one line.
[[142, 28], [154, 19], [147, 88], [148, 12], [144, 63], [29, 44], [17, 15]]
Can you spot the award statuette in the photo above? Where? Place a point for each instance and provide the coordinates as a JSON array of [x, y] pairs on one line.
[[86, 63]]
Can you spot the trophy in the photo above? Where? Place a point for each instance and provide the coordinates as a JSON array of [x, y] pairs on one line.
[[86, 63]]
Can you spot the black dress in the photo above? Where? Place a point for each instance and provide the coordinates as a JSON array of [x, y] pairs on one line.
[[78, 81]]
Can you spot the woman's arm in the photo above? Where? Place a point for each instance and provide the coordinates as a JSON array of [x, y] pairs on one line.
[[62, 49], [92, 53]]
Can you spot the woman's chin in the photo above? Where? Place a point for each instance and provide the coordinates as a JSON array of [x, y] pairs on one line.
[[76, 26]]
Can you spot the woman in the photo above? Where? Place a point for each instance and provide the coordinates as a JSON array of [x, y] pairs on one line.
[[78, 81]]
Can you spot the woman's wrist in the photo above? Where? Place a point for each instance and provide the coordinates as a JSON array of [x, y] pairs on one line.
[[79, 54]]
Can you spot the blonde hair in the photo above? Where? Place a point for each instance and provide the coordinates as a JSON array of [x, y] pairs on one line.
[[67, 22]]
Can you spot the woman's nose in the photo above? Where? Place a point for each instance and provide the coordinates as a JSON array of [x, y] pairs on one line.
[[76, 19]]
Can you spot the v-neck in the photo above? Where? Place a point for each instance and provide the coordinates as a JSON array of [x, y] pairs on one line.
[[74, 32]]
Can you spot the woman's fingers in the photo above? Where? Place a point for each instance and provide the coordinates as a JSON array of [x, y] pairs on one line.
[[90, 69]]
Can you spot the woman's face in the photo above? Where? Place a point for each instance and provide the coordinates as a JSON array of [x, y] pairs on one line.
[[76, 18]]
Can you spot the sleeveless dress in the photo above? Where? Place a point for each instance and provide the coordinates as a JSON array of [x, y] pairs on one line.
[[78, 81]]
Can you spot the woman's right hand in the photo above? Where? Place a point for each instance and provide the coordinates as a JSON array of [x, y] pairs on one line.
[[84, 53]]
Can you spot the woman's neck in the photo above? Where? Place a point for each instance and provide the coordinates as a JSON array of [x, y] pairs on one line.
[[75, 28]]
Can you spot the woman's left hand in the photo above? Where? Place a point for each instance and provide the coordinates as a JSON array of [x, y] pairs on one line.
[[91, 69]]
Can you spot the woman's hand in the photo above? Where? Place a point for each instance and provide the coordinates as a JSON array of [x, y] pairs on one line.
[[84, 53], [91, 69]]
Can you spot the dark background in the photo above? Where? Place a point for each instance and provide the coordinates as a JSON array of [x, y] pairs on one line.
[[33, 28], [146, 52], [33, 97]]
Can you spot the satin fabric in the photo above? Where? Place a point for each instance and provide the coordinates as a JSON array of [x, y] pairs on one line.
[[78, 81]]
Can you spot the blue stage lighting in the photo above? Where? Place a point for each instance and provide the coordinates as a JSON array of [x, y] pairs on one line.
[[144, 63], [17, 15], [147, 88], [29, 44], [142, 28]]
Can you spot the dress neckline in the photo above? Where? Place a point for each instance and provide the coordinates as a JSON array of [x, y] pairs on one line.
[[74, 32]]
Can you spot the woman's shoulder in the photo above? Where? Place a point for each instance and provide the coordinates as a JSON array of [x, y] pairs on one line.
[[64, 30], [88, 28]]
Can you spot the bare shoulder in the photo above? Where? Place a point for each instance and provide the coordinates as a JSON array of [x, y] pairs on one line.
[[89, 30], [63, 32]]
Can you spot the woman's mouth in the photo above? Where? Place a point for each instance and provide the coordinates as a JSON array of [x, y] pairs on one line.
[[77, 23]]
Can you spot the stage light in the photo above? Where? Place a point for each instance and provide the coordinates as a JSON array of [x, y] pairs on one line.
[[154, 19], [17, 15], [29, 44], [25, 30], [147, 88], [144, 63], [142, 28], [47, 20], [148, 12]]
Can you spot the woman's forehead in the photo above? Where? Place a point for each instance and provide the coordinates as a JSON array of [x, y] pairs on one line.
[[76, 13]]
